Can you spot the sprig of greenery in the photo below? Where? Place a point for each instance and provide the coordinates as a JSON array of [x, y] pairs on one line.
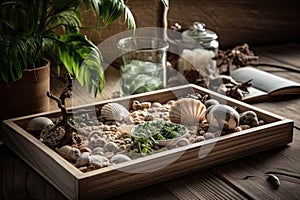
[[146, 136]]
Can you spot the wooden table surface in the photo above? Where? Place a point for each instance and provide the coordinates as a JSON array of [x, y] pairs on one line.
[[240, 179]]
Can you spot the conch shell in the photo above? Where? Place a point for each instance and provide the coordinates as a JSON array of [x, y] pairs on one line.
[[114, 111], [187, 111]]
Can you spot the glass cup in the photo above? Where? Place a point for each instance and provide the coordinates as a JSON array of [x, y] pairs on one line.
[[143, 64]]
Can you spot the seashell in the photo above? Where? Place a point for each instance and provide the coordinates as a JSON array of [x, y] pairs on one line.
[[51, 135], [249, 118], [136, 105], [274, 180], [111, 147], [187, 111], [38, 123], [98, 161], [211, 102], [182, 142], [119, 158], [222, 117], [114, 111], [83, 159], [68, 152], [125, 129]]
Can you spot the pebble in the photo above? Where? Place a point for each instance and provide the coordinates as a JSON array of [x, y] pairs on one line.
[[209, 135]]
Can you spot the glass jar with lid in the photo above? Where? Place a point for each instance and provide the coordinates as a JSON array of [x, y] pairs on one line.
[[199, 52]]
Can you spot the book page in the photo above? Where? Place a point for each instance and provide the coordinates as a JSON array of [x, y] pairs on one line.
[[265, 81]]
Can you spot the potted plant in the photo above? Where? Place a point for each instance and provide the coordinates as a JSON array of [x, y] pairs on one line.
[[32, 31]]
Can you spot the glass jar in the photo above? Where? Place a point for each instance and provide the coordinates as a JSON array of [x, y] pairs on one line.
[[199, 52], [143, 64]]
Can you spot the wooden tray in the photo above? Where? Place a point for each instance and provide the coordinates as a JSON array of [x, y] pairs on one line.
[[110, 181]]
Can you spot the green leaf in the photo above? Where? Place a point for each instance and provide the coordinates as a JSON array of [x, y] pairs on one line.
[[107, 11], [82, 59]]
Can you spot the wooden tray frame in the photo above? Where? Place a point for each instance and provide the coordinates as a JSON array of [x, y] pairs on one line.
[[111, 181]]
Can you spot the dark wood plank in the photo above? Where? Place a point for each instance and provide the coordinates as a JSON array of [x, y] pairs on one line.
[[202, 185], [286, 55], [240, 21], [19, 181], [249, 174]]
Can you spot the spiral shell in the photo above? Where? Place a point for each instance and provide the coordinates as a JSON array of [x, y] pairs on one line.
[[68, 152], [222, 117], [38, 123], [114, 111], [51, 135], [187, 111]]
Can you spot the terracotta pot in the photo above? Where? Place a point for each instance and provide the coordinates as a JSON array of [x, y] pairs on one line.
[[27, 95]]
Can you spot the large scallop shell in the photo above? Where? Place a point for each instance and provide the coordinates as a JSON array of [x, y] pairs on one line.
[[114, 111], [187, 111]]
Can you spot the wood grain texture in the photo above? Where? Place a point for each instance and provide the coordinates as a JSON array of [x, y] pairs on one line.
[[249, 174], [286, 55], [19, 181], [240, 21]]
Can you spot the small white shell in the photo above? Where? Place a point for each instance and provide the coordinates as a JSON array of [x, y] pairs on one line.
[[68, 152], [38, 123], [114, 111], [98, 161], [187, 111], [119, 158], [223, 117]]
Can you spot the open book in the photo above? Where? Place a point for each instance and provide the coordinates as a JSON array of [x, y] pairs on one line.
[[265, 86]]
